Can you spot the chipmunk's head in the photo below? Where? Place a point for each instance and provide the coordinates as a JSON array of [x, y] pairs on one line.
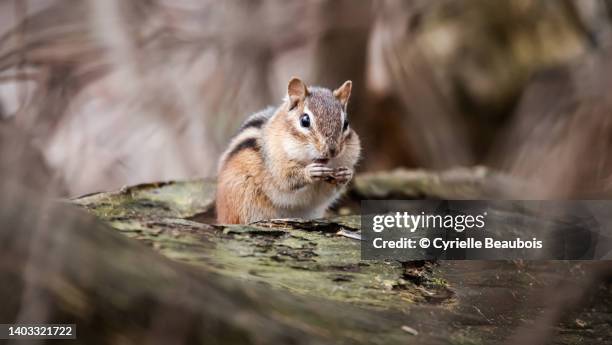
[[317, 121]]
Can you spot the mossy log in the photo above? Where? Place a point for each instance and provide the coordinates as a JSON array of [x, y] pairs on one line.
[[274, 282]]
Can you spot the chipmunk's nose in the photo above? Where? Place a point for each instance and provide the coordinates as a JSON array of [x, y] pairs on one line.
[[332, 151], [328, 151]]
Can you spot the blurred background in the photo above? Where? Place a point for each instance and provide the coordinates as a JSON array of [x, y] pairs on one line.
[[99, 94], [112, 93]]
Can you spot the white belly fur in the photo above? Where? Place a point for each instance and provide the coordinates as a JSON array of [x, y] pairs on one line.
[[310, 201]]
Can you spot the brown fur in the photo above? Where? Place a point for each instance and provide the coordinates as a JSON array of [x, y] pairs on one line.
[[240, 181]]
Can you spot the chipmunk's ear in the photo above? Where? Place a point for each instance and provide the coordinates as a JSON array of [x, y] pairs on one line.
[[344, 92], [296, 91]]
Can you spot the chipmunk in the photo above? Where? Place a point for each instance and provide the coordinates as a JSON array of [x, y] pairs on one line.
[[289, 162]]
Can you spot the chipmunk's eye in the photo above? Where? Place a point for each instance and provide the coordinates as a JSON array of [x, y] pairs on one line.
[[345, 125], [305, 121]]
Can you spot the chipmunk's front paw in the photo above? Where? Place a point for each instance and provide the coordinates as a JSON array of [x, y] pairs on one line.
[[342, 175], [318, 172]]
